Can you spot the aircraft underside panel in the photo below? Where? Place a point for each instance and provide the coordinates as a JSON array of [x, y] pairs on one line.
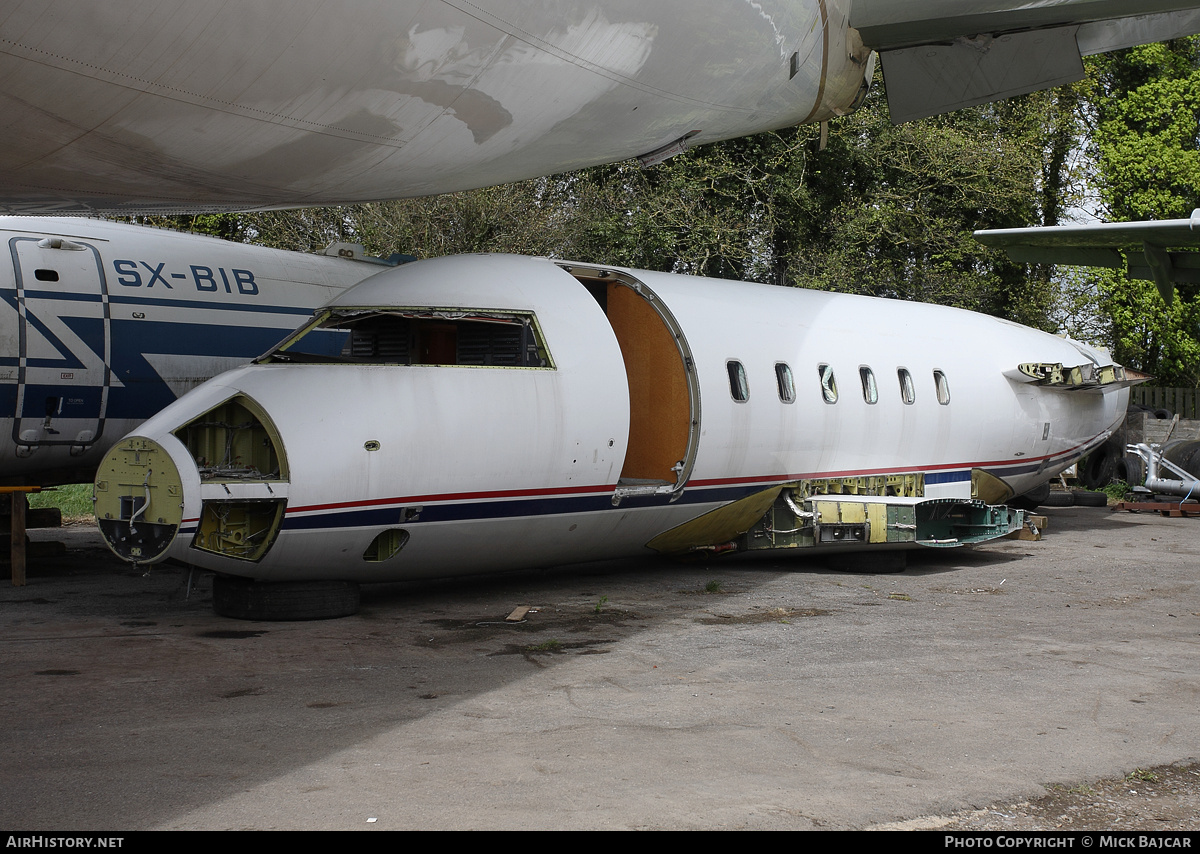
[[933, 79], [130, 105]]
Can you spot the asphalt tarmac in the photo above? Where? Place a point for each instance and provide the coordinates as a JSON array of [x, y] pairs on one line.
[[723, 693]]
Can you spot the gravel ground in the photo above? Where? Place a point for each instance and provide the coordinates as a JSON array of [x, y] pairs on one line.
[[1163, 798]]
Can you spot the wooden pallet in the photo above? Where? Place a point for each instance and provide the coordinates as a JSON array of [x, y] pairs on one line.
[[19, 504], [1164, 508]]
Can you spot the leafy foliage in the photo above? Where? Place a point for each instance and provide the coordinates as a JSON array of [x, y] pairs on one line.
[[893, 208], [1144, 106], [1147, 114]]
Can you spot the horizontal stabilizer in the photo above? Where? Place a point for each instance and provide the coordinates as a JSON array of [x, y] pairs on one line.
[[1146, 246]]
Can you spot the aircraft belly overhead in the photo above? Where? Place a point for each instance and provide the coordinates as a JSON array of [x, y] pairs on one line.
[[103, 324], [298, 102], [490, 412], [131, 105]]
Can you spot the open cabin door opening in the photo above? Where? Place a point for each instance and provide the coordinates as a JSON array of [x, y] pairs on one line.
[[64, 343], [664, 394]]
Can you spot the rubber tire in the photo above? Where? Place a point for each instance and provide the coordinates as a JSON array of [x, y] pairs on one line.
[[1090, 499], [1097, 468], [1184, 453], [1163, 414], [1058, 498], [245, 599], [1131, 469]]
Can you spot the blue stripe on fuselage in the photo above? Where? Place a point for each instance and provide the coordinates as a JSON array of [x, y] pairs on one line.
[[142, 392], [205, 305], [947, 476]]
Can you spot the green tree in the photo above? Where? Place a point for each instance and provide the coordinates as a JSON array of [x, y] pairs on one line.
[[1144, 109]]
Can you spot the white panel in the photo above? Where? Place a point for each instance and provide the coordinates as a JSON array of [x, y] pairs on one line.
[[931, 79], [1144, 29]]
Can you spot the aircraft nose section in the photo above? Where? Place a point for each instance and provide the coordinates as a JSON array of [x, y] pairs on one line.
[[138, 497]]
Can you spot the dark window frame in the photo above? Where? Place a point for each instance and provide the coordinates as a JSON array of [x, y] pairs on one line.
[[739, 383], [870, 388], [941, 387], [828, 380], [785, 382], [908, 389]]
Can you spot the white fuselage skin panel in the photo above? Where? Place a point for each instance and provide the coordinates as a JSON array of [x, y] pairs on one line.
[[132, 105], [306, 102], [489, 468], [989, 421], [102, 324]]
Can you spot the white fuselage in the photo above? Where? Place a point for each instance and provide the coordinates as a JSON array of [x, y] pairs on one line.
[[102, 324], [597, 451]]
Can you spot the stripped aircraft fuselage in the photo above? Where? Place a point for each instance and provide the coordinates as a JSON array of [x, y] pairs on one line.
[[487, 412]]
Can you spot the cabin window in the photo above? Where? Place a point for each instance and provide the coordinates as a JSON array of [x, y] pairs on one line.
[[907, 391], [479, 338], [870, 390], [783, 379], [942, 387], [828, 383], [739, 387], [44, 275]]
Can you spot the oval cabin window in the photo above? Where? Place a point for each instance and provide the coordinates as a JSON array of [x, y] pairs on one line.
[[828, 383], [908, 392], [870, 390], [739, 388], [783, 379], [942, 387]]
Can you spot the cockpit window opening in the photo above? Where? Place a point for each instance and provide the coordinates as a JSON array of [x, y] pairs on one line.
[[908, 392], [739, 386], [828, 383], [869, 388], [785, 382], [942, 385], [418, 336]]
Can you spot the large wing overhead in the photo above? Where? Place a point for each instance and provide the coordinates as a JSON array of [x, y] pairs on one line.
[[1144, 248], [940, 55]]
